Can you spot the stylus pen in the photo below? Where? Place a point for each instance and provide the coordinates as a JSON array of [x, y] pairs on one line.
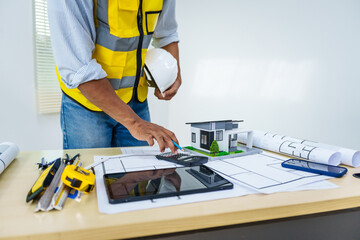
[[176, 145]]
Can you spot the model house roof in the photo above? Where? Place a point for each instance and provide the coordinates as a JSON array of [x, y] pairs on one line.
[[216, 125], [215, 121]]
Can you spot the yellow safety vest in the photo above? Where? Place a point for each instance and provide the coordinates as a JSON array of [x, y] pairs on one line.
[[123, 33]]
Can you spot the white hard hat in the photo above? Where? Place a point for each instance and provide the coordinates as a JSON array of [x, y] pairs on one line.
[[161, 67]]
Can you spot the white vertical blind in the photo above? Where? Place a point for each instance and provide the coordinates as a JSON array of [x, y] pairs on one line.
[[47, 86]]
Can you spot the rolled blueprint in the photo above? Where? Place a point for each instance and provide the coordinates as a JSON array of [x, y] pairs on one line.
[[292, 147], [349, 157], [8, 152]]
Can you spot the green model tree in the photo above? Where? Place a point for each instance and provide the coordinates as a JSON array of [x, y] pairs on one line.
[[214, 147]]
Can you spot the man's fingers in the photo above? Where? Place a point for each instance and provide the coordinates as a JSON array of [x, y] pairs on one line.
[[171, 91], [150, 140], [171, 145], [158, 94], [168, 94], [161, 142], [173, 137], [150, 131], [168, 137], [162, 136], [170, 134]]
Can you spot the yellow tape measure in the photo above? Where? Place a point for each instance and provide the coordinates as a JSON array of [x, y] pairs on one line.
[[78, 178]]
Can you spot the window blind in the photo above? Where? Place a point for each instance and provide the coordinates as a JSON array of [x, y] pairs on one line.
[[47, 87]]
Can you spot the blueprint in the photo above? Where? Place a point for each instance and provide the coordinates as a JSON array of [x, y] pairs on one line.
[[309, 150], [260, 173], [263, 173], [128, 164]]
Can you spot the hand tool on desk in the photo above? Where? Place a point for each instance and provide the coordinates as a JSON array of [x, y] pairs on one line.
[[45, 200], [78, 178], [44, 165], [44, 179], [63, 190]]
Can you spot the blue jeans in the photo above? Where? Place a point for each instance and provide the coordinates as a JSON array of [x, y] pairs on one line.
[[83, 128]]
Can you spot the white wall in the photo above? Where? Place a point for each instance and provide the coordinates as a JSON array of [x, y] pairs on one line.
[[290, 67], [19, 121]]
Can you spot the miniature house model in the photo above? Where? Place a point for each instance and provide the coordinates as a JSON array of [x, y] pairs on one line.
[[225, 132]]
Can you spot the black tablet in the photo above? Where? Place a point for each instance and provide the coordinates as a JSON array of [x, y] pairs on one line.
[[152, 184]]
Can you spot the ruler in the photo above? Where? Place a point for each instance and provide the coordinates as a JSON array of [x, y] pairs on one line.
[[45, 201], [59, 198]]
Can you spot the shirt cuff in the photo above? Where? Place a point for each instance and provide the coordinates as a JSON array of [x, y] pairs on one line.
[[89, 72], [161, 42]]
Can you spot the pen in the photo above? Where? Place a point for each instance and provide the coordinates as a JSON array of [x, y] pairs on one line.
[[176, 145]]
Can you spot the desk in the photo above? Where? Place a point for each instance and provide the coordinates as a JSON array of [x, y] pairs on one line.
[[83, 220]]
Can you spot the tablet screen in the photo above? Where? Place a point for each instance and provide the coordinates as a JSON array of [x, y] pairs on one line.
[[151, 184]]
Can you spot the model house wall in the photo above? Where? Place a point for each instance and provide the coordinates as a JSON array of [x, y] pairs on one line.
[[195, 137]]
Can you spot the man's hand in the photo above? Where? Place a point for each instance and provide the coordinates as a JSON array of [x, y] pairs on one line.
[[101, 93], [146, 131], [170, 92]]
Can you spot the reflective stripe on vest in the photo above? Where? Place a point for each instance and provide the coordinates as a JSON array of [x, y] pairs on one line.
[[123, 33]]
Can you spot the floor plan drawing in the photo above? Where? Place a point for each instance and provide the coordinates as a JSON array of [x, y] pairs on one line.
[[135, 160], [260, 173], [263, 172]]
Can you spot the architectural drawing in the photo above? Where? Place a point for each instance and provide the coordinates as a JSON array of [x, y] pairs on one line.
[[263, 173], [348, 156], [274, 143], [305, 149], [250, 174], [260, 172]]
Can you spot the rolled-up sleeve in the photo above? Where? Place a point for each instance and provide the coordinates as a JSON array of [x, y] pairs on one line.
[[73, 35], [166, 28]]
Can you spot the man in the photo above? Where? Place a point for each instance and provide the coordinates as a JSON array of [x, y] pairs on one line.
[[99, 48]]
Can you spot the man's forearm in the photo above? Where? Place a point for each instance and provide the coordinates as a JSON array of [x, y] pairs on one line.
[[173, 49], [101, 93]]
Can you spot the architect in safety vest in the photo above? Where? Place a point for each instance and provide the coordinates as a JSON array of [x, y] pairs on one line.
[[99, 48]]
